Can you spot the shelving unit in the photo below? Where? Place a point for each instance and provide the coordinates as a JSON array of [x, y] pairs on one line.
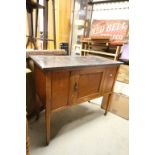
[[32, 38], [79, 14], [103, 48]]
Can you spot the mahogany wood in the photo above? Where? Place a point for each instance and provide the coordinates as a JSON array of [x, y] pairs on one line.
[[65, 86]]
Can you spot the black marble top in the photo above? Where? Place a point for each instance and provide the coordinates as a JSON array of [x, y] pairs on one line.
[[60, 62]]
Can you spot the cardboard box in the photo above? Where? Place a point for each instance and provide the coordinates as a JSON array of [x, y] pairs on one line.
[[119, 105], [119, 102]]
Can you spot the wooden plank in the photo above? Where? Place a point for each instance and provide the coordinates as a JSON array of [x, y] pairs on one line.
[[64, 20], [54, 23], [45, 14], [99, 52]]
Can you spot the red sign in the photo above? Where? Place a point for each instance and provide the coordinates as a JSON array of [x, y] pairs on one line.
[[115, 29]]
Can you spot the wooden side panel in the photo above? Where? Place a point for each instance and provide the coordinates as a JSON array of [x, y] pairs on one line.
[[60, 89], [109, 79], [40, 83]]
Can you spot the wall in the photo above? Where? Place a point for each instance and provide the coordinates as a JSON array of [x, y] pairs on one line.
[[63, 23], [63, 15], [117, 10]]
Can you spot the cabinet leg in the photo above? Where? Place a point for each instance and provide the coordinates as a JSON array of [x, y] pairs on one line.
[[105, 102], [27, 139], [37, 107], [48, 107], [48, 126]]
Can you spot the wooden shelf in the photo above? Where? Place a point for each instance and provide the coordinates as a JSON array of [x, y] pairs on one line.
[[98, 52], [101, 49]]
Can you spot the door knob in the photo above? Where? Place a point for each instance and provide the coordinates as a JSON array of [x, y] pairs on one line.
[[110, 75], [75, 86]]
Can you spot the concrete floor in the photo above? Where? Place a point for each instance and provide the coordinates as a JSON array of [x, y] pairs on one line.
[[81, 130]]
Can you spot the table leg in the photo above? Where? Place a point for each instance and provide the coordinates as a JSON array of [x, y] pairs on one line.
[[48, 126], [105, 102], [37, 106], [27, 139], [48, 109], [117, 52]]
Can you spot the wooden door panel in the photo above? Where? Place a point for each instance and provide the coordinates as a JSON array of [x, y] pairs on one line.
[[86, 84], [89, 84], [60, 89]]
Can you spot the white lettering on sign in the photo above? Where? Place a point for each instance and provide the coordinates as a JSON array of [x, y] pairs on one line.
[[124, 26], [116, 29]]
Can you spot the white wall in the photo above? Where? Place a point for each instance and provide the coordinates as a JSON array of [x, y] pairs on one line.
[[111, 11]]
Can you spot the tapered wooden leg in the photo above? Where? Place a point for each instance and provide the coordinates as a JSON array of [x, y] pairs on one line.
[[105, 103], [48, 107], [27, 139], [48, 126], [37, 107]]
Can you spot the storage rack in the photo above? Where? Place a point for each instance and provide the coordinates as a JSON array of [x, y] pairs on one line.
[[87, 46], [32, 38]]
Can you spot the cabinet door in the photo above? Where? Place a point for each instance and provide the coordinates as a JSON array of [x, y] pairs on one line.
[[86, 84], [109, 79]]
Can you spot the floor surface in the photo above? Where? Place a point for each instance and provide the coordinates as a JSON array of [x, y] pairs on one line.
[[80, 130]]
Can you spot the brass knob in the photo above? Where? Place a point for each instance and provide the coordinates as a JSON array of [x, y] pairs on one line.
[[75, 86]]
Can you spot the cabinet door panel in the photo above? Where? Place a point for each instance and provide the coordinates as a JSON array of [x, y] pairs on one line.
[[86, 84], [89, 84]]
